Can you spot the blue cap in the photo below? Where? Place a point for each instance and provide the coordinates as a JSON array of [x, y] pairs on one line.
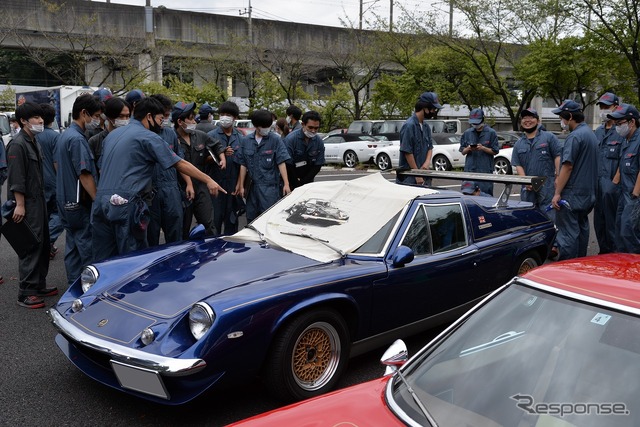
[[103, 94], [608, 99], [529, 112], [468, 187], [134, 96], [568, 105], [476, 116], [624, 111], [181, 107], [206, 108], [432, 98]]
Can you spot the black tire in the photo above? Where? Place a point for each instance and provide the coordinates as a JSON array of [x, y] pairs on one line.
[[298, 365], [502, 166], [441, 163], [526, 262], [383, 161], [350, 159]]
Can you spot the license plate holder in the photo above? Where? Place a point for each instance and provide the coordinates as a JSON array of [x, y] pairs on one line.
[[140, 379]]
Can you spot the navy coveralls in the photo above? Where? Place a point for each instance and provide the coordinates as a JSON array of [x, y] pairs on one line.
[[479, 161], [262, 160], [581, 151], [24, 175], [166, 208], [129, 157], [307, 157], [74, 204], [608, 194], [48, 140], [628, 222], [226, 206], [415, 138]]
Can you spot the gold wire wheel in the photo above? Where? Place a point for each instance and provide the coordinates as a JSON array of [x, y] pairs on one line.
[[527, 265], [315, 356]]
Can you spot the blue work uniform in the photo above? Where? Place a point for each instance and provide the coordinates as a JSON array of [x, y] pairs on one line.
[[415, 138], [537, 157], [608, 193], [74, 157], [479, 161], [24, 175], [628, 223], [581, 151], [262, 160], [197, 151], [307, 157], [166, 207], [47, 140], [129, 157], [227, 206]]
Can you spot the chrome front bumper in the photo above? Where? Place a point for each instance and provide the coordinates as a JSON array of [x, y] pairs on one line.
[[163, 365]]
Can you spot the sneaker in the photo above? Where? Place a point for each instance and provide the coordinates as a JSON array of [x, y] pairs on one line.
[[47, 292], [53, 251], [30, 301]]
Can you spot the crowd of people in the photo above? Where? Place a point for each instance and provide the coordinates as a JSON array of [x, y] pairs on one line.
[[127, 169]]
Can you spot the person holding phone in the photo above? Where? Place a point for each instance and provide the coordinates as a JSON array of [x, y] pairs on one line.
[[479, 144]]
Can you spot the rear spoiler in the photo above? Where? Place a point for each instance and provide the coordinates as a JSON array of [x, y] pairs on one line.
[[535, 182]]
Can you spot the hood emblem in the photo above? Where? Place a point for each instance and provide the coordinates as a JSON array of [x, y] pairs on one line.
[[102, 323]]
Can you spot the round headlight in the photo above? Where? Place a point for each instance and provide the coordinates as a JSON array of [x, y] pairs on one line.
[[200, 319], [77, 305], [147, 336], [88, 277]]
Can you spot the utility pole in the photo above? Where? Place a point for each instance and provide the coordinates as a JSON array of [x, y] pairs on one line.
[[391, 16], [360, 26], [248, 11], [450, 18]]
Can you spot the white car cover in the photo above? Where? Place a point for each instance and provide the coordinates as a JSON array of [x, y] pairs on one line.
[[343, 214]]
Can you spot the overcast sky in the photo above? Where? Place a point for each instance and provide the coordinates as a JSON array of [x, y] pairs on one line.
[[319, 12]]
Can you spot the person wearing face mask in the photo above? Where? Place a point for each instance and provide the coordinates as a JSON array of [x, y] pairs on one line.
[[206, 117], [293, 117], [262, 158], [25, 185], [479, 144], [227, 207], [576, 182], [306, 150], [103, 95], [121, 214], [48, 140], [198, 148], [15, 126], [76, 183], [166, 209], [416, 145], [117, 113], [627, 121], [608, 193]]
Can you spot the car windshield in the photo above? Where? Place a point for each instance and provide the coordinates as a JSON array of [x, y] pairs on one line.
[[4, 125], [530, 358]]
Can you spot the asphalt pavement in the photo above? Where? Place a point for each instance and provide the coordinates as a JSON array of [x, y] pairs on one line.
[[40, 387]]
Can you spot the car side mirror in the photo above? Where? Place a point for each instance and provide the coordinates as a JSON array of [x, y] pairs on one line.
[[197, 232], [395, 356], [403, 255]]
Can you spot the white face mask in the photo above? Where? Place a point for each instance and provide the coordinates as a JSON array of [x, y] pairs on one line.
[[190, 128], [623, 130], [93, 124], [226, 121], [309, 134], [603, 115], [120, 122], [478, 127], [166, 123], [263, 131], [36, 129], [564, 125]]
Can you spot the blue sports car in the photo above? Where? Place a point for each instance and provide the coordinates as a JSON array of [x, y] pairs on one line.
[[292, 301]]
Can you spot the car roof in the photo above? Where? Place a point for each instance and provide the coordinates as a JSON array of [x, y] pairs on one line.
[[614, 278]]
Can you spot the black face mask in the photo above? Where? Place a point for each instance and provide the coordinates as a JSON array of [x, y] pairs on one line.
[[529, 130], [154, 127], [429, 114]]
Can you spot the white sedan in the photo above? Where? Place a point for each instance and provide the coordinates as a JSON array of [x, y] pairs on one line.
[[351, 149], [445, 155]]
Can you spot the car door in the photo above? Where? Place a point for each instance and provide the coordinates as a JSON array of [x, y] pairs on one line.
[[443, 274], [332, 145]]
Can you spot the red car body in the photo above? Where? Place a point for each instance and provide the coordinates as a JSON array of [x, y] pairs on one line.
[[613, 278]]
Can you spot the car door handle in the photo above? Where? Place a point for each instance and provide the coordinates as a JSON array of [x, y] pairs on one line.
[[472, 251]]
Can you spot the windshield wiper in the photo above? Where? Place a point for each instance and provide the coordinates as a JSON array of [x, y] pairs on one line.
[[424, 410], [309, 236], [260, 235]]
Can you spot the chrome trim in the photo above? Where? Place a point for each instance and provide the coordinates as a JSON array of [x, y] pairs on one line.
[[96, 275], [164, 365]]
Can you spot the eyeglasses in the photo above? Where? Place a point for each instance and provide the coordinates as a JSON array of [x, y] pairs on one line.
[[621, 122]]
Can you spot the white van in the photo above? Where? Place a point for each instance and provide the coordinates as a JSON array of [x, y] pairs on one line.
[[5, 128]]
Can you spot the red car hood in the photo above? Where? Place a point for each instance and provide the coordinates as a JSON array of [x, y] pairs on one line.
[[357, 406]]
